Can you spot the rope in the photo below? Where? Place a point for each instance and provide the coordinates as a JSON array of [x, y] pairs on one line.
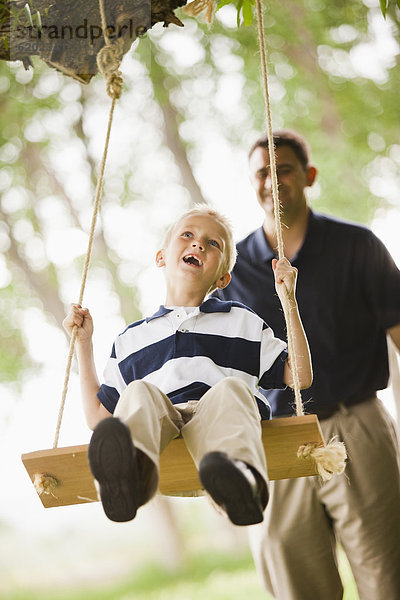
[[277, 207], [329, 459], [104, 23], [45, 484], [108, 61]]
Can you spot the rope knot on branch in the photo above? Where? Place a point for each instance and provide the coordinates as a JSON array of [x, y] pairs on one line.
[[108, 61]]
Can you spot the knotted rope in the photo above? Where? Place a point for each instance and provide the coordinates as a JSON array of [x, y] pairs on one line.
[[329, 459], [45, 484], [108, 61]]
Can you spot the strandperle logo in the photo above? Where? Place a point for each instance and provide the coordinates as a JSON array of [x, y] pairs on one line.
[[67, 38], [84, 31]]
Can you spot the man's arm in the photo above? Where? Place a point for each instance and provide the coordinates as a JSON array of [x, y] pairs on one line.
[[394, 333], [90, 385], [285, 283]]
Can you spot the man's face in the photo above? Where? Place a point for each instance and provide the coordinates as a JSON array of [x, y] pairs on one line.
[[195, 252], [292, 179]]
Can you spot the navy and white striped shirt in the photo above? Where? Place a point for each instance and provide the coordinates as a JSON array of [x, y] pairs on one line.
[[184, 354]]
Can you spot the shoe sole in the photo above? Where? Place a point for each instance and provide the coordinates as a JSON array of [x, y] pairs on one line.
[[229, 488], [112, 460]]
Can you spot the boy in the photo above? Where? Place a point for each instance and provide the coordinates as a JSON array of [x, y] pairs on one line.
[[193, 368]]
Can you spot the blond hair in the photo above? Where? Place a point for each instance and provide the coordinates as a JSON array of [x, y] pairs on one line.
[[205, 210]]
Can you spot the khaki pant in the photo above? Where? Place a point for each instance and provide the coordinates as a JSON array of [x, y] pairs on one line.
[[295, 547], [225, 419]]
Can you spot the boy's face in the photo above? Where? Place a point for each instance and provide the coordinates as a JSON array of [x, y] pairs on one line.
[[195, 253]]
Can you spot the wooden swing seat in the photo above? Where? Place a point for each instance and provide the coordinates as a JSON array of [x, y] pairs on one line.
[[178, 474]]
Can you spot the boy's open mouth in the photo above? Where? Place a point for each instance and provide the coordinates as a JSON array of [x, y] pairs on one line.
[[191, 259]]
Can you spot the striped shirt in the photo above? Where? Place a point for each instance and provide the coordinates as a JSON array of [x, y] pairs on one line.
[[185, 353]]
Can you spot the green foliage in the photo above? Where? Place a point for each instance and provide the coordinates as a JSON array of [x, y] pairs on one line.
[[244, 10], [13, 356], [27, 14], [314, 88], [17, 109], [385, 4], [33, 189], [215, 576], [35, 20]]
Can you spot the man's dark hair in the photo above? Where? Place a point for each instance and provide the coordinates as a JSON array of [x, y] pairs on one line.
[[286, 137]]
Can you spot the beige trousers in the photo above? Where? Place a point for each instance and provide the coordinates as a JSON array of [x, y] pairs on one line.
[[225, 419], [295, 547]]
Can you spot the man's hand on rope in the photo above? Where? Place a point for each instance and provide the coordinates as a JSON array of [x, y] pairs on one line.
[[285, 279], [82, 319]]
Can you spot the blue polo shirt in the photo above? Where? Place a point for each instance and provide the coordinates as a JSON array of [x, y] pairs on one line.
[[348, 291]]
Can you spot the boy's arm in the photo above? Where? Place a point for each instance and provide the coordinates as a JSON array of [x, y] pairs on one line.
[[90, 385], [285, 283]]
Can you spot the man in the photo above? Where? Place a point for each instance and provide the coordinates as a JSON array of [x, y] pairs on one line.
[[349, 300]]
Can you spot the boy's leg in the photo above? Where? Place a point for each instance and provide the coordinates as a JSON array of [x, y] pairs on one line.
[[124, 450], [224, 438], [151, 418]]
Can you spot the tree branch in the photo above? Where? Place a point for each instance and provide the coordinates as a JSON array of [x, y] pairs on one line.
[[68, 35]]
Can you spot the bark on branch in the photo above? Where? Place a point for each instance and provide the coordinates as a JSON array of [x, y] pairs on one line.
[[67, 34]]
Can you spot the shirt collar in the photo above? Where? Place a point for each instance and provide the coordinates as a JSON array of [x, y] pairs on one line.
[[262, 252], [215, 305], [159, 313], [209, 306], [315, 236]]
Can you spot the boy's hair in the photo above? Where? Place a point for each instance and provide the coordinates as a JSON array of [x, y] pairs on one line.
[[230, 252], [286, 137]]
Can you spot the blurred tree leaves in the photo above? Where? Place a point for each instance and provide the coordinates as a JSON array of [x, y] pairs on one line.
[[43, 207], [244, 8], [333, 76]]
